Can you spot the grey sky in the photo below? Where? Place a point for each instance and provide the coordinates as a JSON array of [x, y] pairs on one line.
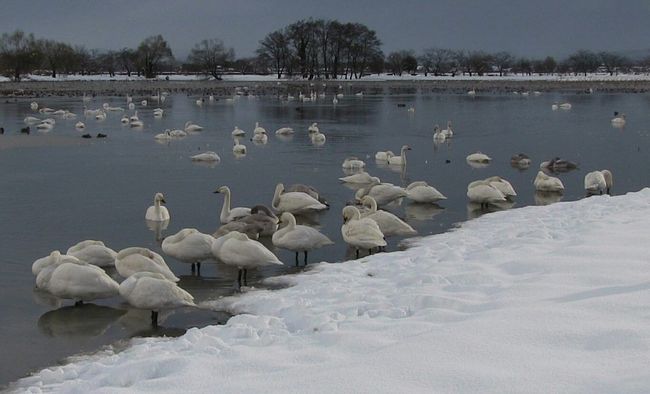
[[529, 28]]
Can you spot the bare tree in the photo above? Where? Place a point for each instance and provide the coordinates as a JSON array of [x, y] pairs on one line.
[[275, 47], [127, 60], [503, 61], [151, 53], [211, 57], [395, 62], [613, 62], [19, 53], [583, 61], [55, 54], [109, 62], [437, 60]]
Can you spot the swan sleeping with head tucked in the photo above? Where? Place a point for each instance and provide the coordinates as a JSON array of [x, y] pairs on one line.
[[77, 281], [227, 214], [157, 212], [424, 193], [189, 127], [295, 202], [152, 291], [484, 193], [298, 238], [545, 183], [189, 246], [361, 233], [383, 193], [94, 253], [206, 156], [359, 178], [131, 260]]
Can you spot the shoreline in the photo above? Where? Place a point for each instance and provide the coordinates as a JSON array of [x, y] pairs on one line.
[[271, 87]]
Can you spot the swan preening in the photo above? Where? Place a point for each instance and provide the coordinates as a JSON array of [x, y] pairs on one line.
[[237, 250], [298, 238], [189, 246], [157, 212], [153, 291], [361, 233], [227, 214], [598, 182]]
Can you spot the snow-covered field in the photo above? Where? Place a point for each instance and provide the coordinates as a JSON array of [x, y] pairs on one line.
[[537, 299], [374, 77]]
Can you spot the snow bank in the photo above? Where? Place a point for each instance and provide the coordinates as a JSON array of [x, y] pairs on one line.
[[537, 299]]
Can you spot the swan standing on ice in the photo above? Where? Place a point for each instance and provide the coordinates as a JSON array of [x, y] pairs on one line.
[[152, 291], [484, 193], [295, 202], [94, 253], [236, 249], [388, 223], [189, 246], [298, 238], [131, 260], [227, 214], [209, 156], [598, 182], [545, 183], [422, 192], [401, 159], [361, 233], [156, 212]]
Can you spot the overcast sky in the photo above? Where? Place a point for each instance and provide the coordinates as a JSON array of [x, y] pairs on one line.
[[523, 27]]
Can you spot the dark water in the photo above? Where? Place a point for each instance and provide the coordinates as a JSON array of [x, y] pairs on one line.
[[61, 189]]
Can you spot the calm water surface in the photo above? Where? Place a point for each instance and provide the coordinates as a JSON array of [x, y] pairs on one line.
[[57, 189]]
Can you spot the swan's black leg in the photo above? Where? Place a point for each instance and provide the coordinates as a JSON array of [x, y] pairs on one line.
[[154, 319], [239, 278], [297, 259], [78, 303], [305, 257], [357, 253], [198, 269], [369, 252], [193, 268], [245, 277]]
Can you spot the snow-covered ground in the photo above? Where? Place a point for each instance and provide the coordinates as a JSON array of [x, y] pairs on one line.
[[537, 299], [375, 77]]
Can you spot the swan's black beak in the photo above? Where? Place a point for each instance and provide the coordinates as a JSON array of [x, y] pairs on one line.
[[216, 191], [162, 200]]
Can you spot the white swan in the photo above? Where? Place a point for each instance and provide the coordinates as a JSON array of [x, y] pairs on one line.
[[33, 105], [598, 182], [189, 126], [298, 238], [520, 160], [318, 138], [251, 230], [484, 193], [136, 123], [158, 112], [237, 132], [44, 126], [471, 92], [383, 156], [125, 119], [131, 260], [163, 136], [388, 223], [80, 125], [360, 178], [565, 106], [143, 103], [206, 156], [383, 193], [401, 159], [227, 214], [360, 233], [284, 131], [77, 281], [352, 163], [359, 94], [258, 129], [189, 246], [313, 128], [618, 120], [152, 291], [424, 193], [54, 258], [49, 121], [545, 183], [237, 250], [31, 120], [238, 148], [478, 157], [260, 137], [438, 135], [69, 115], [504, 186], [177, 133], [94, 253], [295, 202], [157, 212], [335, 100], [101, 116], [448, 132], [131, 106]]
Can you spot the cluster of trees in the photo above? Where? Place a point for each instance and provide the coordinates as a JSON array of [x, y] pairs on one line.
[[307, 49]]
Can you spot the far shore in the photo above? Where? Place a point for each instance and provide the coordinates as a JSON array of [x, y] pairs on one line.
[[275, 87]]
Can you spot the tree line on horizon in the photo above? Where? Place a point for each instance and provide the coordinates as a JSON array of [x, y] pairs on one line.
[[308, 49]]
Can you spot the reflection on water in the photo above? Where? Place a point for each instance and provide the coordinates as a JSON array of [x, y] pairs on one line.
[[474, 210], [117, 177], [546, 198], [157, 227], [86, 320]]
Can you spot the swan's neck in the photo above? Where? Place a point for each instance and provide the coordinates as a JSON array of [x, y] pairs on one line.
[[403, 156], [225, 208], [276, 197], [156, 203], [373, 205]]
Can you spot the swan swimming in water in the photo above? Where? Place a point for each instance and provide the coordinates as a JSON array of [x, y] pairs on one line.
[[236, 249], [359, 178], [361, 233], [383, 156], [227, 214], [206, 156], [313, 128], [318, 138], [237, 132], [401, 159], [618, 120], [157, 212], [131, 260], [189, 246], [520, 161], [352, 163], [189, 126], [94, 253], [284, 131], [152, 291], [295, 202], [238, 148], [298, 238]]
